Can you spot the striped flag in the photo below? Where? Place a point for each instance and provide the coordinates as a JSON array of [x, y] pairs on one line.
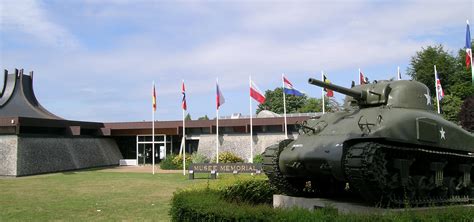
[[219, 97], [183, 102], [255, 93], [329, 93], [153, 98], [468, 46], [361, 78], [439, 88], [289, 89]]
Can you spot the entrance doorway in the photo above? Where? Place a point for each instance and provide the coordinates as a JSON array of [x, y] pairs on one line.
[[145, 148]]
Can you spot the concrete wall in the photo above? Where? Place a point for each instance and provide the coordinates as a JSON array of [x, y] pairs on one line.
[[239, 144], [40, 154], [8, 157]]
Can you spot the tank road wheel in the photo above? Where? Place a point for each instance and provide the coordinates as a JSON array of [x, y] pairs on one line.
[[366, 169], [289, 186]]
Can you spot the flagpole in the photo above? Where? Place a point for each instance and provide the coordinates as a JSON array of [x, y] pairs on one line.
[[284, 105], [399, 77], [436, 89], [358, 76], [153, 133], [251, 123], [184, 137], [217, 126], [322, 91]]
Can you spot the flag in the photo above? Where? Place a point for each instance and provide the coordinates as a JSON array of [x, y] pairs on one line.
[[220, 98], [255, 93], [361, 78], [468, 46], [183, 102], [153, 99], [288, 88], [329, 93], [438, 87]]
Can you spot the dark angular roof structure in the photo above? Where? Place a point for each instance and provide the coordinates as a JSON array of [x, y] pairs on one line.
[[17, 98]]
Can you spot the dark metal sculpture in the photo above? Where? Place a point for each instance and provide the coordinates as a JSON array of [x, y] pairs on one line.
[[17, 98], [388, 146]]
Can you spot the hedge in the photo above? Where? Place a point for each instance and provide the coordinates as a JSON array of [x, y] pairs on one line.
[[208, 205]]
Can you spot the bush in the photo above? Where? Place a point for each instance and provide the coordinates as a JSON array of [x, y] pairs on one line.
[[199, 158], [228, 157], [174, 162], [250, 191], [258, 158]]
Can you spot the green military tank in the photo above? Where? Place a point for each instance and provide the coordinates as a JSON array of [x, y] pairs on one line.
[[387, 145]]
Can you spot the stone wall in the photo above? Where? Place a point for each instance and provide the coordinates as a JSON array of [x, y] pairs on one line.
[[238, 144], [8, 157], [43, 154]]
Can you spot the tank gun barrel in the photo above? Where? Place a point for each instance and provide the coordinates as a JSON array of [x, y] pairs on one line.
[[350, 92]]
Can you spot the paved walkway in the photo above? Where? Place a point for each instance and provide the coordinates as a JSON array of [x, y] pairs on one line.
[[139, 169]]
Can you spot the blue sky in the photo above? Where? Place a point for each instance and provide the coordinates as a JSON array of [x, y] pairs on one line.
[[96, 60]]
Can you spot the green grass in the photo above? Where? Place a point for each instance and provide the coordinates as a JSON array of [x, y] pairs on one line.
[[90, 196]]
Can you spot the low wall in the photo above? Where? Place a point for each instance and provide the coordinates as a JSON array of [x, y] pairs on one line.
[[43, 154], [239, 144]]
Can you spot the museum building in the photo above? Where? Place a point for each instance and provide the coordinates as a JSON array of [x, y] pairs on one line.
[[34, 141]]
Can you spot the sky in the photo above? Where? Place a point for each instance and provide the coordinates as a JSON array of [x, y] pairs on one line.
[[95, 60]]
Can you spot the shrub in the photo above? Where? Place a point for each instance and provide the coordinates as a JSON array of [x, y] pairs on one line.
[[228, 157], [250, 191], [258, 158], [199, 158], [167, 163], [178, 161]]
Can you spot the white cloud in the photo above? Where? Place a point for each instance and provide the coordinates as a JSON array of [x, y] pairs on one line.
[[27, 16]]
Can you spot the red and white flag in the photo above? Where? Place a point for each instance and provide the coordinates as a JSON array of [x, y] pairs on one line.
[[219, 97], [468, 47], [153, 98], [255, 93], [438, 87], [361, 78], [183, 102]]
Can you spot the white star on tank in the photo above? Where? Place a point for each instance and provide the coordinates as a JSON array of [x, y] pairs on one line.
[[442, 132], [428, 98]]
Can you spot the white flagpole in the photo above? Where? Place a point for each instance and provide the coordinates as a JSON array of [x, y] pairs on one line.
[[217, 127], [358, 76], [436, 89], [251, 124], [153, 132], [322, 91], [398, 73], [184, 139], [284, 105]]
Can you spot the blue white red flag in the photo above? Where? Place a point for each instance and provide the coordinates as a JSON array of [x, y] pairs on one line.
[[183, 102], [468, 46], [219, 97], [153, 98], [438, 87], [289, 89]]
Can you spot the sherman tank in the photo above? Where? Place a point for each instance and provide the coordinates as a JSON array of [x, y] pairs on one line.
[[387, 145]]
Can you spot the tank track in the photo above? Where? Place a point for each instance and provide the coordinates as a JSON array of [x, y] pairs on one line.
[[369, 169], [275, 176]]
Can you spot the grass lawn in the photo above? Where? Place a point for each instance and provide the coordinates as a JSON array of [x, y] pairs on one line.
[[90, 195]]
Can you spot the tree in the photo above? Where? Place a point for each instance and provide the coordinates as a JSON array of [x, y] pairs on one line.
[[274, 102], [188, 117], [421, 66], [451, 105], [203, 118], [314, 105], [466, 115]]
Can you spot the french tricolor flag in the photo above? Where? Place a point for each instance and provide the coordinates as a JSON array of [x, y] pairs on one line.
[[289, 89], [468, 46], [255, 93]]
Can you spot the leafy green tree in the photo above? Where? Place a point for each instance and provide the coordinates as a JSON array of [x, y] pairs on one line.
[[314, 105], [203, 118], [274, 102], [451, 105], [188, 117], [466, 115], [422, 66]]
